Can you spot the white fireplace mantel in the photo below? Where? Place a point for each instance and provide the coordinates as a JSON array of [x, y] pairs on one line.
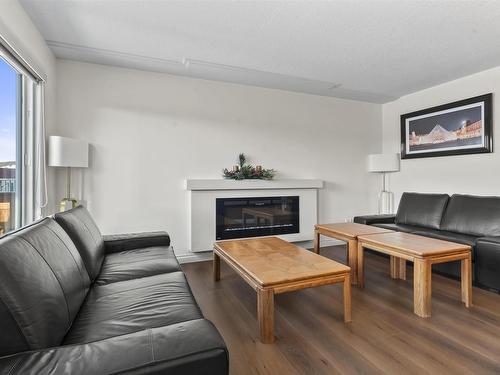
[[222, 184], [203, 195]]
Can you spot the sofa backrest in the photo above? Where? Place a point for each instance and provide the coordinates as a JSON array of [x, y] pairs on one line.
[[43, 284], [84, 232], [424, 210], [473, 215]]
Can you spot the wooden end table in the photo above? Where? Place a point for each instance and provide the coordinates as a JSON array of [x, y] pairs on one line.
[[423, 252], [349, 233], [272, 266]]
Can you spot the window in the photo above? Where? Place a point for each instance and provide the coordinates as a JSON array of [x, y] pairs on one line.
[[10, 150], [23, 190]]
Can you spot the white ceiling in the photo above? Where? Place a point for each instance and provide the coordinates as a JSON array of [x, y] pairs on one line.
[[360, 49]]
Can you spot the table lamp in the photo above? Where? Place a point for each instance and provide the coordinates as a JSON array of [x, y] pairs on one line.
[[384, 163], [68, 153]]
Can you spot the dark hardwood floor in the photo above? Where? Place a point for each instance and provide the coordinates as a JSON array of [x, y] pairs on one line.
[[385, 337]]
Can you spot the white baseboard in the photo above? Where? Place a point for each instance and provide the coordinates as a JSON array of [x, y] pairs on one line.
[[195, 257]]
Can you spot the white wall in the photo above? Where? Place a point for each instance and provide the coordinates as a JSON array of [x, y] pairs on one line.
[[150, 131], [18, 29], [472, 174]]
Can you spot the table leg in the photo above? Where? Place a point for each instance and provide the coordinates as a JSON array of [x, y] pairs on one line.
[[466, 277], [265, 312], [347, 299], [394, 267], [402, 269], [398, 268], [361, 266], [422, 288], [316, 241], [216, 266], [352, 259]]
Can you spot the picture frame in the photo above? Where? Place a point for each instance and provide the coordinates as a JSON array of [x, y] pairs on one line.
[[458, 128]]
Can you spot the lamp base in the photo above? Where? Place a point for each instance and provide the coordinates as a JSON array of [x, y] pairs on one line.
[[67, 204], [385, 202]]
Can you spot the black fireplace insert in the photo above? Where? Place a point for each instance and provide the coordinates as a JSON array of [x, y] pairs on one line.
[[256, 216]]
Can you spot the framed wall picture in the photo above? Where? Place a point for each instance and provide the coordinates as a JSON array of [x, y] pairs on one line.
[[463, 127]]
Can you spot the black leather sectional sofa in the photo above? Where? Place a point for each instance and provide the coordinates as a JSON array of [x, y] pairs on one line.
[[471, 220], [75, 302]]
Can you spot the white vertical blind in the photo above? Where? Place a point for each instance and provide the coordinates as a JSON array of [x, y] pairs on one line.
[[40, 160], [26, 162], [34, 184]]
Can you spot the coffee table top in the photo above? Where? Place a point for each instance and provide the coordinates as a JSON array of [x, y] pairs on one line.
[[271, 260], [413, 244], [351, 230]]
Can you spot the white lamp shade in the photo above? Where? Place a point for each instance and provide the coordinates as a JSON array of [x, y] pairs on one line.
[[383, 162], [68, 152]]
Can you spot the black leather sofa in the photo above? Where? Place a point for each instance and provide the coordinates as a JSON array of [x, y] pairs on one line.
[[75, 302], [467, 219]]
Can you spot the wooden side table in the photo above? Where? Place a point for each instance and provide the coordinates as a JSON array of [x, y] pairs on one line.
[[349, 233], [423, 252]]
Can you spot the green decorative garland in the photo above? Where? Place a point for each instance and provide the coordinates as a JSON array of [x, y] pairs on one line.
[[247, 171]]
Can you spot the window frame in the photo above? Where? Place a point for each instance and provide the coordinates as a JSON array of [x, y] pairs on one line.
[[30, 86], [24, 178]]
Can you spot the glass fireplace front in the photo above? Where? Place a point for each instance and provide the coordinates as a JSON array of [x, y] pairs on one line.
[[256, 216]]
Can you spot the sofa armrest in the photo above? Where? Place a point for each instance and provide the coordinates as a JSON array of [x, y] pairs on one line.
[[487, 262], [375, 219], [121, 242], [185, 348], [493, 240]]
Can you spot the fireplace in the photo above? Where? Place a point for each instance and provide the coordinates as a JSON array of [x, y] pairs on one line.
[[256, 216]]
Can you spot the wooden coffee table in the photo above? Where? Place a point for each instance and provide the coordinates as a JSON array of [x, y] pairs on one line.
[[423, 252], [349, 233], [272, 266]]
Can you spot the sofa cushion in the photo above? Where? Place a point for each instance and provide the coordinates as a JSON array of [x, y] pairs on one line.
[[477, 216], [425, 210], [43, 284], [194, 347], [399, 227], [130, 306], [134, 264], [86, 235]]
